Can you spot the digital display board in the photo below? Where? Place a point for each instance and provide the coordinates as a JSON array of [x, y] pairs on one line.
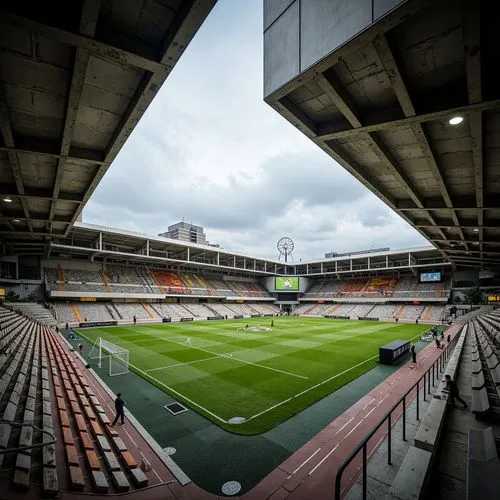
[[286, 283], [434, 277]]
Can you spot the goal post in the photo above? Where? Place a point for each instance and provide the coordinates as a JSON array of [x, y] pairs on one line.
[[118, 357]]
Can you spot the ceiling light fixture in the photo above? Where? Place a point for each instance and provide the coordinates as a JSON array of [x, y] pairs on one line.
[[476, 230], [7, 199], [456, 120], [16, 220]]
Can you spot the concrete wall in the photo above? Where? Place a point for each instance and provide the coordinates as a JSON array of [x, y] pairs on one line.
[[299, 33]]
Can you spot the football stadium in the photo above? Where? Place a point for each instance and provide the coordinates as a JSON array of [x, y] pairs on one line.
[[161, 366]]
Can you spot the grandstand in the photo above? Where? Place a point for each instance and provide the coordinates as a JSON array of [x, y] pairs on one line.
[[378, 96]]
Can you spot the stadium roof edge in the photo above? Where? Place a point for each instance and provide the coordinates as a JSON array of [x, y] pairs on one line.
[[346, 255], [97, 241]]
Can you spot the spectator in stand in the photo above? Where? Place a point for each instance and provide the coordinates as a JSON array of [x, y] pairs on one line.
[[452, 389], [448, 338]]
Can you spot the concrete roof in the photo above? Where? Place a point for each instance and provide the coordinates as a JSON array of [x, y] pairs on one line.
[[379, 105], [75, 78]]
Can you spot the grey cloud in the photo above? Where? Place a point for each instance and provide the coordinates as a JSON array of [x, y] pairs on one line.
[[208, 149], [282, 181]]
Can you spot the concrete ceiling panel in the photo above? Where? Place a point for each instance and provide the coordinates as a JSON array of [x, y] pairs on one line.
[[34, 75], [35, 102], [112, 77], [36, 126]]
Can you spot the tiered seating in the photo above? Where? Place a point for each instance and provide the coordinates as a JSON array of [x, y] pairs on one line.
[[340, 309], [124, 279], [384, 310], [486, 373], [222, 310], [24, 403], [265, 308], [198, 310], [96, 457], [380, 286], [361, 310], [247, 289], [411, 312], [34, 311], [174, 311], [129, 310], [64, 312], [94, 311], [353, 286], [170, 282]]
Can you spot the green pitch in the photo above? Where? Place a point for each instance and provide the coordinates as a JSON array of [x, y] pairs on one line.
[[223, 371]]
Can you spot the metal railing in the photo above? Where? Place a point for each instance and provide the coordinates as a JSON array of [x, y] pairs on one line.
[[424, 382]]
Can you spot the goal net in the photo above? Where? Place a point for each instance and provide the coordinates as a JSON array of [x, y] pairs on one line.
[[107, 352]]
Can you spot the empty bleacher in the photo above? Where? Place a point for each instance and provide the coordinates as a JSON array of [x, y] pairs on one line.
[[404, 287], [43, 389]]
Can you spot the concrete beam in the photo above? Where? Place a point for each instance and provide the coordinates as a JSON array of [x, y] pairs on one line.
[[400, 88], [88, 23], [329, 83], [186, 23], [346, 106], [37, 193], [91, 45], [343, 159], [325, 133], [50, 149], [460, 203], [471, 19], [35, 217], [8, 138], [493, 242], [383, 25]]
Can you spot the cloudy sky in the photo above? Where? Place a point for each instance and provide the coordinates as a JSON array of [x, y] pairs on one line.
[[209, 150]]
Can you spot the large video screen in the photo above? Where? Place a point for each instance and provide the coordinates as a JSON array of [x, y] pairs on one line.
[[286, 283], [431, 277]]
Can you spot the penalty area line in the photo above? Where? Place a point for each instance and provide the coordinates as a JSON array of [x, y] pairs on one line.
[[181, 364], [171, 389], [231, 357], [310, 389]]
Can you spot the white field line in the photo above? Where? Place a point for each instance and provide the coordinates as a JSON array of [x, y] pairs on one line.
[[227, 356], [311, 388], [303, 463], [171, 389], [181, 364]]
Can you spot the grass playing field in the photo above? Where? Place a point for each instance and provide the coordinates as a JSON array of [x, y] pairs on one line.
[[222, 371]]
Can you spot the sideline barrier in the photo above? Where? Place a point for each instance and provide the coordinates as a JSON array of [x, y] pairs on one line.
[[415, 471], [90, 324], [424, 382]]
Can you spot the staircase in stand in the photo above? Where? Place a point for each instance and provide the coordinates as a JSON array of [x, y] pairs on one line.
[[77, 312], [400, 311], [60, 278], [105, 281], [148, 309], [427, 313]]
